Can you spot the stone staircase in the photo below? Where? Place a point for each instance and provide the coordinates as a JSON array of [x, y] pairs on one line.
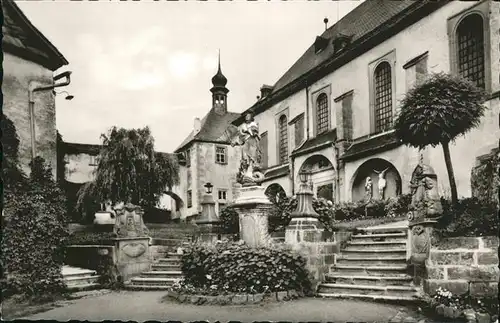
[[79, 279], [165, 270], [373, 266]]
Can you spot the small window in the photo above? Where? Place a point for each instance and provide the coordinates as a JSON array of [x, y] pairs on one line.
[[188, 157], [220, 155], [322, 113], [222, 195], [94, 161], [189, 199], [283, 139], [299, 130]]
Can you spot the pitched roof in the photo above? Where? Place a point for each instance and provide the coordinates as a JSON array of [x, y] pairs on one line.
[[371, 145], [22, 38], [364, 18], [212, 127], [317, 142], [367, 25]]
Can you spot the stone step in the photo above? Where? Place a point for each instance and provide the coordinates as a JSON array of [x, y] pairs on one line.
[[359, 261], [373, 253], [162, 274], [372, 290], [151, 281], [384, 229], [173, 255], [411, 298], [370, 270], [82, 274], [169, 261], [84, 280], [375, 245], [145, 287], [167, 242], [395, 237], [165, 267], [405, 280]]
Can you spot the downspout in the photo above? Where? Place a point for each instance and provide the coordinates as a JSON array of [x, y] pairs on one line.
[[32, 88]]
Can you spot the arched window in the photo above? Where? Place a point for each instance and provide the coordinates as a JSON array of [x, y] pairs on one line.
[[470, 49], [283, 139], [322, 113], [383, 97]]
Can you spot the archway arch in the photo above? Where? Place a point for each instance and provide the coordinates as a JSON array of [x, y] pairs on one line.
[[322, 176], [377, 169], [275, 192], [178, 201]]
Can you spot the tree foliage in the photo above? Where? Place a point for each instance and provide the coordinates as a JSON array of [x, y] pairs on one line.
[[436, 112], [34, 236], [439, 110], [129, 170]]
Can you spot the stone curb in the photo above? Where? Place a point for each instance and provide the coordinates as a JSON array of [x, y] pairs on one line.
[[234, 299]]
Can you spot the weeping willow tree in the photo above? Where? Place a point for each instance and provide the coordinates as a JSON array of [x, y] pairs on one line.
[[438, 111], [129, 170]]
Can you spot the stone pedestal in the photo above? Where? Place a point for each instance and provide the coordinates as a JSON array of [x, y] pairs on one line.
[[253, 208], [132, 256], [209, 232]]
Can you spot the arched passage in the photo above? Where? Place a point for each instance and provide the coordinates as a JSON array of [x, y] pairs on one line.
[[178, 201], [322, 176], [379, 171], [275, 192]]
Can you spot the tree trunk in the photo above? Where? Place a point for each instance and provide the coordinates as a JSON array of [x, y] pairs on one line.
[[451, 174]]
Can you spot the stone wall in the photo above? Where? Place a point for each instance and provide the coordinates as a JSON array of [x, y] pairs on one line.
[[464, 264], [17, 74]]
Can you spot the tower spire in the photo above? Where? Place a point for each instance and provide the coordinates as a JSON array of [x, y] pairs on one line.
[[219, 90]]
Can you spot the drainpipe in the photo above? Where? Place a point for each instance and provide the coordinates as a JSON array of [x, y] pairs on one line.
[[307, 112], [32, 88]]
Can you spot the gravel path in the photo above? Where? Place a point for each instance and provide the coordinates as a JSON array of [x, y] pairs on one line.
[[142, 306]]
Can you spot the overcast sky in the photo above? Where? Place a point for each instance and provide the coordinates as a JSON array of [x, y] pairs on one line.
[[151, 63]]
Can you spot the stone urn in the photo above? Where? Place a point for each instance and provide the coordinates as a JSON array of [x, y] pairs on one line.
[[103, 217]]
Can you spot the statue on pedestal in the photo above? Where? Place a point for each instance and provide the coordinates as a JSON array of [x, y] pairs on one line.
[[425, 207], [248, 137]]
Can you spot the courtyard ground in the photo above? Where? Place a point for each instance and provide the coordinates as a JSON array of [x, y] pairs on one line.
[[142, 306]]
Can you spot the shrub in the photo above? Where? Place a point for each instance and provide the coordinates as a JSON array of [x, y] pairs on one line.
[[229, 220], [34, 235], [91, 238], [234, 267], [470, 217]]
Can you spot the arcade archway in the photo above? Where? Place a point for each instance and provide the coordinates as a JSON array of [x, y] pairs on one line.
[[385, 180], [322, 176]]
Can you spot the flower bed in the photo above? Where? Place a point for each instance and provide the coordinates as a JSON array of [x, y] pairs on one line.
[[237, 268], [187, 293], [463, 308]]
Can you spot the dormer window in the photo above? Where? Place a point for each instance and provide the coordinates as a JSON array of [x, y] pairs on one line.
[[340, 42], [320, 44]]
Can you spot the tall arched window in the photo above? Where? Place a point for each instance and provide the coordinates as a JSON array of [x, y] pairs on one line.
[[283, 139], [383, 97], [322, 113], [470, 49]]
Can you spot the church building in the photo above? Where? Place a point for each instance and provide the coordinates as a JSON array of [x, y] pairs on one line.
[[332, 112]]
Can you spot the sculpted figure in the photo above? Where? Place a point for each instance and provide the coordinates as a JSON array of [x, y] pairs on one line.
[[368, 188], [426, 202], [249, 139], [381, 182]]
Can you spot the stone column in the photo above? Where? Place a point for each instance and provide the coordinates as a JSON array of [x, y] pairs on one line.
[[208, 222], [253, 208]]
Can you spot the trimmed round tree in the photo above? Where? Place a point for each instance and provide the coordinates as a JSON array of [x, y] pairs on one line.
[[129, 170], [436, 112]]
